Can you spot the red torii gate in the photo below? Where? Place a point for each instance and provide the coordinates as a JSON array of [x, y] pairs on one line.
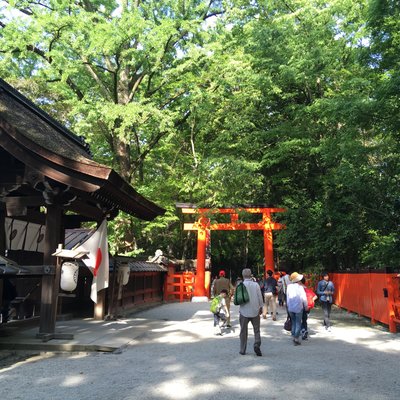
[[203, 224]]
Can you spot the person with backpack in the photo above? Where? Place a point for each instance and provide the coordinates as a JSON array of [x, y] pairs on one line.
[[224, 283], [325, 290], [250, 311], [220, 310], [270, 294]]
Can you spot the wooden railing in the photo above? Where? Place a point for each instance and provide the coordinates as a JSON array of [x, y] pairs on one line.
[[179, 287]]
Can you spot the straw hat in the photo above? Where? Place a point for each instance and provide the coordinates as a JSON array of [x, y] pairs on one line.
[[296, 277]]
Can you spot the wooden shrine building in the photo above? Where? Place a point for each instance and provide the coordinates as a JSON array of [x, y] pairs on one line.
[[48, 176]]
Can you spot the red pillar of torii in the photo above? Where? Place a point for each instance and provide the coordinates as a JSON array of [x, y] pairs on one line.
[[203, 224]]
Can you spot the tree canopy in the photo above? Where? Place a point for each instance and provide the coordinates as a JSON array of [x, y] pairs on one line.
[[291, 103]]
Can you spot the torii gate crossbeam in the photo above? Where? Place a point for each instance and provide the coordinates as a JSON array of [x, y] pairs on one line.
[[203, 224]]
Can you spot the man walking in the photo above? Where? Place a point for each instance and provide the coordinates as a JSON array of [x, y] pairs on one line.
[[325, 290], [270, 294], [250, 312], [223, 283]]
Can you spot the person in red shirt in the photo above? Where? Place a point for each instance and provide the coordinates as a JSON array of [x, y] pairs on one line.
[[311, 297]]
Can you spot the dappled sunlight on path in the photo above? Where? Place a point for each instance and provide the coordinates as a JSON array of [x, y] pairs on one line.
[[175, 355]]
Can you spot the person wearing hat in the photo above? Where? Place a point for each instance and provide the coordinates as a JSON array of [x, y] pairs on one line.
[[296, 303], [223, 283]]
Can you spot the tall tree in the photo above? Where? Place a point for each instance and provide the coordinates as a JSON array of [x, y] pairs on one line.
[[121, 69], [121, 74]]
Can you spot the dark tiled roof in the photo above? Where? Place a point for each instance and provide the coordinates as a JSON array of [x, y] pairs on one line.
[[145, 266], [11, 268], [41, 143], [75, 237], [40, 132]]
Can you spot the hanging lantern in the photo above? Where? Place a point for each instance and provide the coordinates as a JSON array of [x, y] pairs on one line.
[[123, 274], [69, 276]]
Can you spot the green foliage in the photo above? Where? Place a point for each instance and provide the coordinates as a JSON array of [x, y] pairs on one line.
[[291, 104]]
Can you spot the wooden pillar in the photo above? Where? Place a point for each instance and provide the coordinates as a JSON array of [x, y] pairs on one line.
[[207, 284], [199, 287], [268, 251], [391, 282], [113, 289], [100, 306], [268, 243], [50, 283], [371, 298]]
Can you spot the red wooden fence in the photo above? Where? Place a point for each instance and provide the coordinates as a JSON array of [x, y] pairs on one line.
[[179, 287], [371, 294]]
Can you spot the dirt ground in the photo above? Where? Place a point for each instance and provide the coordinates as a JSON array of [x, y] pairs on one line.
[[179, 357]]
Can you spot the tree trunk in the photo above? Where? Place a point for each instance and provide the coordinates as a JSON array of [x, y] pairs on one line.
[[122, 151]]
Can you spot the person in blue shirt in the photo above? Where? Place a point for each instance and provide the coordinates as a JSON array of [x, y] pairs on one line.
[[325, 291]]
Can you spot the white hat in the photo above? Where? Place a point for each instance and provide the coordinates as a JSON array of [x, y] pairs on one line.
[[296, 277]]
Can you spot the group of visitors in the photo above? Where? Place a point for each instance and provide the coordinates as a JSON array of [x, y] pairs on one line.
[[299, 300]]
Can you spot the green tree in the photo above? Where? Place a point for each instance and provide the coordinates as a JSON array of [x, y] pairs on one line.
[[121, 74], [285, 103]]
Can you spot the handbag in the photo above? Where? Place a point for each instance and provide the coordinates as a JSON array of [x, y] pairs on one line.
[[318, 301], [287, 326]]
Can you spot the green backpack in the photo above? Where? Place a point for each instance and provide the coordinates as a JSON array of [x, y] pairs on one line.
[[214, 306], [241, 295]]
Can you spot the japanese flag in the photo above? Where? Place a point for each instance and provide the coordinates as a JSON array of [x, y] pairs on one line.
[[97, 259]]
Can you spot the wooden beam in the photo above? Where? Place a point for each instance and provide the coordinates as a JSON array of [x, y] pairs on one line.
[[243, 226], [251, 210], [24, 201], [83, 208], [73, 221]]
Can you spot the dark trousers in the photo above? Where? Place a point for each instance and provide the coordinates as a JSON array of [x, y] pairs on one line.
[[219, 317], [304, 318], [326, 308], [244, 323]]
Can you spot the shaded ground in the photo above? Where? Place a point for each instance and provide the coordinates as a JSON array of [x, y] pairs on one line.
[[11, 357], [178, 357]]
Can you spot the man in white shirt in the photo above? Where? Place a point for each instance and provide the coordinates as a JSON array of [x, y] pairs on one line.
[[250, 312]]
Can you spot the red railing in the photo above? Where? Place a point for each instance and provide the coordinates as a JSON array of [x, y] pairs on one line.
[[179, 287], [371, 294]]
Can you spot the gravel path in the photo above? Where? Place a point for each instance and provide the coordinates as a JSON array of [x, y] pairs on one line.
[[178, 357]]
